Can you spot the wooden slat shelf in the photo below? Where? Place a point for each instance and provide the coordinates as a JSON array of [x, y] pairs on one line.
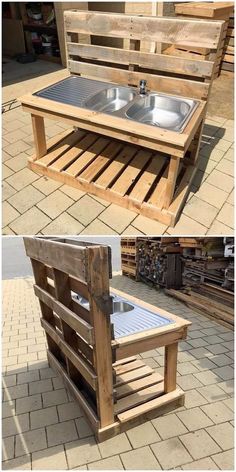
[[127, 175], [113, 387]]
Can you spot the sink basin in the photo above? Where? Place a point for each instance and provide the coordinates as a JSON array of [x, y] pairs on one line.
[[110, 100], [122, 307], [162, 111]]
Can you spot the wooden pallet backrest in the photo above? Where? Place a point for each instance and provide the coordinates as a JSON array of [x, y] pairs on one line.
[[168, 74], [76, 336]]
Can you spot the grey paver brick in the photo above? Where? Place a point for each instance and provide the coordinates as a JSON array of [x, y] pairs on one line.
[[63, 224], [7, 190], [9, 381], [194, 419], [98, 227], [199, 444], [223, 434], [111, 463], [31, 222], [52, 458], [27, 404], [225, 460], [218, 228], [82, 452], [18, 162], [30, 441], [143, 435], [72, 192], [16, 148], [56, 397], [21, 179], [218, 412], [204, 364], [148, 226], [55, 203], [118, 444], [25, 199], [9, 214], [187, 225], [57, 433], [85, 210], [187, 382], [7, 448], [221, 181], [117, 218], [201, 211], [194, 398], [43, 417], [69, 411], [46, 185], [20, 463], [17, 391], [27, 377], [83, 428], [217, 348], [207, 377], [162, 425], [212, 195], [186, 368], [171, 453], [8, 408], [201, 464], [140, 459], [229, 403], [226, 215], [226, 372], [15, 424]]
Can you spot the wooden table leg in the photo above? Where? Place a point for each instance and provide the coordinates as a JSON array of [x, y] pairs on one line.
[[171, 352], [39, 136], [171, 180], [196, 145]]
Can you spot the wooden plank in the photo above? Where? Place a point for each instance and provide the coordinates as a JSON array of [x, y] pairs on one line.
[[98, 284], [73, 153], [161, 30], [61, 148], [142, 59], [87, 157], [147, 178], [149, 406], [79, 325], [171, 181], [124, 361], [170, 371], [137, 385], [80, 364], [78, 287], [165, 84], [132, 171], [89, 413], [101, 162], [67, 258], [134, 375], [121, 369], [39, 136], [110, 174], [138, 398]]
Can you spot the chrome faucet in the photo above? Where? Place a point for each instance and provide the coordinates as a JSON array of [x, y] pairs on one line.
[[142, 87]]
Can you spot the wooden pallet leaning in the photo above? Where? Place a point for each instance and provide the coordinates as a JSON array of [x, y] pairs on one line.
[[175, 155], [206, 305], [214, 11], [114, 389], [129, 257]]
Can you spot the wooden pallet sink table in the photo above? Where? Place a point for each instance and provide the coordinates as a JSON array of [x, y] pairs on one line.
[[93, 338], [140, 152]]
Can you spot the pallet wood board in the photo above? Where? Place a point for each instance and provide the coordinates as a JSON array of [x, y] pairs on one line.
[[124, 174]]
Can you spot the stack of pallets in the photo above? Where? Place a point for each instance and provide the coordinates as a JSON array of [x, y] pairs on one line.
[[214, 11], [129, 257]]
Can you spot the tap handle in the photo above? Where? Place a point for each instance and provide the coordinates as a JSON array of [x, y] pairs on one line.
[[143, 82]]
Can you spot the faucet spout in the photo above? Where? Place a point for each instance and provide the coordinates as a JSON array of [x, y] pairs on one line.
[[143, 87]]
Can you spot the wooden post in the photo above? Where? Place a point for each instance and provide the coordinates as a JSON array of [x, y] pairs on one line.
[[171, 180], [171, 353], [98, 285], [39, 136], [40, 277]]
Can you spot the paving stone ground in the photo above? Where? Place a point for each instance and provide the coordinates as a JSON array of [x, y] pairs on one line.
[[43, 428], [33, 204]]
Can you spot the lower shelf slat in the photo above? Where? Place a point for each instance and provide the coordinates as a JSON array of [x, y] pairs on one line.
[[126, 175]]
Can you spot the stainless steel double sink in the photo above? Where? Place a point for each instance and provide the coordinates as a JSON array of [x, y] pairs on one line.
[[153, 109]]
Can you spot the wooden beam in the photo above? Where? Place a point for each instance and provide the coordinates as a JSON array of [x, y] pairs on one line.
[[171, 353], [39, 136]]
